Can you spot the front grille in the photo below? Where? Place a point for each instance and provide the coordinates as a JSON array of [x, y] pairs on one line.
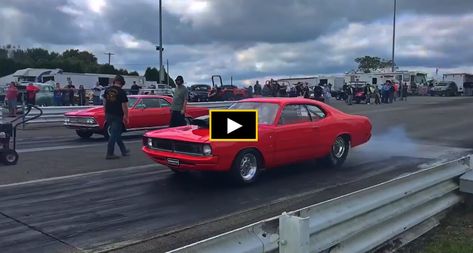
[[78, 120], [177, 146]]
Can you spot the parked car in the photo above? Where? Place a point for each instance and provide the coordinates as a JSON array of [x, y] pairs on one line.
[[199, 92], [146, 112], [290, 130], [445, 88], [160, 89], [227, 92]]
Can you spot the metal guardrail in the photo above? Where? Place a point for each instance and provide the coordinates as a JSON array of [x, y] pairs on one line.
[[404, 207], [55, 114]]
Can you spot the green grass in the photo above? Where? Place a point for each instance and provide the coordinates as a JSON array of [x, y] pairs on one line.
[[454, 235]]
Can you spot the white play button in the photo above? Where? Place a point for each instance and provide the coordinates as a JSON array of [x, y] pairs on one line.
[[232, 126]]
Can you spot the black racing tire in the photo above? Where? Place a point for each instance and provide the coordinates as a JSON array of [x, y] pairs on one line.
[[338, 152], [84, 134], [246, 167], [9, 157]]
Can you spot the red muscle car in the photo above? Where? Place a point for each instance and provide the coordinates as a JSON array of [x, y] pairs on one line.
[[145, 112], [290, 130]]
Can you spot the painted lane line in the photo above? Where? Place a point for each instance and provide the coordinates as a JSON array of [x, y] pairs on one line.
[[32, 150], [146, 166]]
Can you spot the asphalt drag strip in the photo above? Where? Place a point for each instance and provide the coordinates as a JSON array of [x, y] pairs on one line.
[[141, 208]]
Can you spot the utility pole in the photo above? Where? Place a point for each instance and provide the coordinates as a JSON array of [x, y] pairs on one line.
[[167, 71], [109, 56], [394, 37], [160, 42]]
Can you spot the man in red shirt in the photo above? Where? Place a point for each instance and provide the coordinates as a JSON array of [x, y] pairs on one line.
[[31, 91], [12, 96]]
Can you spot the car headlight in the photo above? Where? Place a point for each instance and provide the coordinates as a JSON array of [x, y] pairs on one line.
[[67, 120], [207, 150], [150, 142], [90, 121]]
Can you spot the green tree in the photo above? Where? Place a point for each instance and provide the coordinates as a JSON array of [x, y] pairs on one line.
[[133, 73], [71, 60], [152, 74], [367, 64]]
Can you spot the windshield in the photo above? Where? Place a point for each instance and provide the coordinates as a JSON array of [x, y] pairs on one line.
[[266, 111], [131, 101]]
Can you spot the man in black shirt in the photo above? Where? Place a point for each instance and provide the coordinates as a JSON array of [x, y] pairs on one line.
[[116, 114], [135, 89]]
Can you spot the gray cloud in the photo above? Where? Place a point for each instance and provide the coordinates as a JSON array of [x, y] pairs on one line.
[[247, 38]]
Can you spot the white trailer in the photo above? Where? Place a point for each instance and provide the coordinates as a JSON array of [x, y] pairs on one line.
[[337, 82], [312, 81], [412, 78], [89, 80], [459, 78], [58, 76]]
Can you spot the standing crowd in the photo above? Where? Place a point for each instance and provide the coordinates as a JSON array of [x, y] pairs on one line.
[[385, 93]]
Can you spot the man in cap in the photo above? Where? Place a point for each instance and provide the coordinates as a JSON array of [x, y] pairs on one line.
[[179, 103], [116, 114]]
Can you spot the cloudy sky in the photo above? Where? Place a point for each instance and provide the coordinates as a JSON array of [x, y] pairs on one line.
[[248, 39]]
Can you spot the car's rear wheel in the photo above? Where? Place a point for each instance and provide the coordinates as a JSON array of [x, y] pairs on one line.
[[246, 167], [338, 152], [84, 134]]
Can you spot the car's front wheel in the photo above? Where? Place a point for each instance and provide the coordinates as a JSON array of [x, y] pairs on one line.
[[84, 134], [338, 152], [246, 167]]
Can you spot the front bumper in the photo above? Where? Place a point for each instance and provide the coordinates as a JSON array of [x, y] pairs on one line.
[[82, 126], [186, 162]]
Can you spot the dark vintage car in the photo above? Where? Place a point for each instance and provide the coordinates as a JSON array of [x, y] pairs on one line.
[[199, 92], [445, 88]]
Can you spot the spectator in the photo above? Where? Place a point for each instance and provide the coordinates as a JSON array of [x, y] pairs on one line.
[[306, 91], [65, 96], [250, 91], [12, 99], [318, 92], [377, 96], [116, 114], [31, 91], [391, 93], [57, 95], [404, 92], [179, 104], [350, 94], [266, 90], [257, 89], [82, 95], [327, 94], [135, 89], [71, 92], [368, 93], [97, 90]]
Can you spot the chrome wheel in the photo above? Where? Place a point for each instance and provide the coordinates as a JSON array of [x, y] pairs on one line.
[[338, 148], [248, 166]]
